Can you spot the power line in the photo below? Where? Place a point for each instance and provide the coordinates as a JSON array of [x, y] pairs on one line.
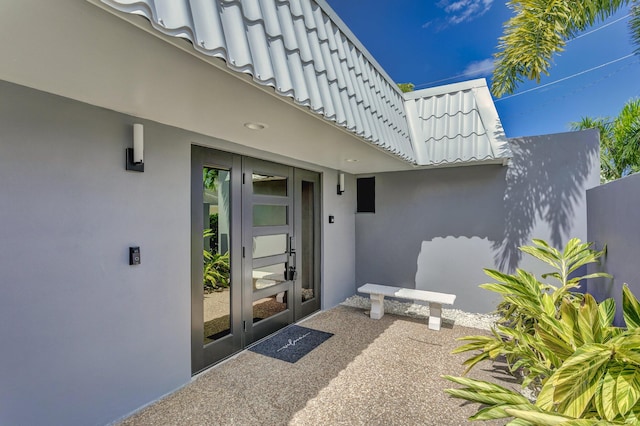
[[599, 28], [565, 78], [464, 74], [551, 101], [480, 71]]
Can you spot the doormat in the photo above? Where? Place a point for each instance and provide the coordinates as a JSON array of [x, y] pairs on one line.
[[291, 344]]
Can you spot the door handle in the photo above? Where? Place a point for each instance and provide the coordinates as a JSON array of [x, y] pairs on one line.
[[291, 274]]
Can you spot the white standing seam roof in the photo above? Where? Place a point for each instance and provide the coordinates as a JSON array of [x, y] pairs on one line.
[[304, 51], [456, 123]]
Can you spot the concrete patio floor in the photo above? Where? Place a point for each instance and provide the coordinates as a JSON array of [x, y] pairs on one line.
[[384, 372]]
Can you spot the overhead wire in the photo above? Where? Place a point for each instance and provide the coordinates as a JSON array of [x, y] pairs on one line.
[[565, 78], [528, 110], [479, 71]]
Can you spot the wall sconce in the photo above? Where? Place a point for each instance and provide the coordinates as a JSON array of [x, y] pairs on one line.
[[135, 155], [340, 183]]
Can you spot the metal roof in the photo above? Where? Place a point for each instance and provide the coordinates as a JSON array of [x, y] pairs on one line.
[[304, 51], [456, 123], [297, 48]]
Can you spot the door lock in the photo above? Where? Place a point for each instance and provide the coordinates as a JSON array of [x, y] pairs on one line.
[[291, 273]]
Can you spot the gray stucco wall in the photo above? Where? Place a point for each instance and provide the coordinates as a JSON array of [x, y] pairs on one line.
[[86, 338], [436, 229], [613, 221]]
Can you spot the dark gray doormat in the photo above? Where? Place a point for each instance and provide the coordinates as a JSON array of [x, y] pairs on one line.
[[291, 344]]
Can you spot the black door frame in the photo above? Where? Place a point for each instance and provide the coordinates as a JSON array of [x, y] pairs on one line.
[[243, 331]]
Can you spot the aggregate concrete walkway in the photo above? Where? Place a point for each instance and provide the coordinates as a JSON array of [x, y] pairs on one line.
[[371, 372]]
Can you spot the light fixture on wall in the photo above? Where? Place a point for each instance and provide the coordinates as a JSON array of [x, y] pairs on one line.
[[135, 155], [340, 183]]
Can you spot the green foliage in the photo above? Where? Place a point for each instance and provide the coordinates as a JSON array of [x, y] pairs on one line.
[[525, 301], [619, 141], [210, 178], [588, 370], [540, 28], [216, 267], [406, 87]]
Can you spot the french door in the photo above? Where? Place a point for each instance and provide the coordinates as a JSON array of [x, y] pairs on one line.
[[255, 251]]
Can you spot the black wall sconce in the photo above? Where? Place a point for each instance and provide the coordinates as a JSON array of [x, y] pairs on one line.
[[340, 183], [135, 155]]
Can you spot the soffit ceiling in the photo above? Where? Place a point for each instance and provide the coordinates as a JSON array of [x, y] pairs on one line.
[[297, 49]]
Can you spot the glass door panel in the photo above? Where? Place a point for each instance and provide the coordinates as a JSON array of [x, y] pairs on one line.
[[255, 248], [216, 322], [268, 225], [217, 263], [307, 220]]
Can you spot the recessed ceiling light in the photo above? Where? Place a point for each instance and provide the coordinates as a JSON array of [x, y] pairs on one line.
[[351, 160], [255, 126]]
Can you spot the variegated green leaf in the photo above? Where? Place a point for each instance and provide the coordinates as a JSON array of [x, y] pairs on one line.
[[544, 255], [607, 310], [627, 389], [497, 411], [575, 382], [537, 417], [560, 347], [589, 321], [545, 397], [630, 308], [483, 398], [608, 394]]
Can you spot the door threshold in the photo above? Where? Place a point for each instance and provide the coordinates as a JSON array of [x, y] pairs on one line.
[[237, 354]]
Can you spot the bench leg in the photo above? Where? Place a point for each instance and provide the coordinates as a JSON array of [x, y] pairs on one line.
[[377, 306], [435, 312]]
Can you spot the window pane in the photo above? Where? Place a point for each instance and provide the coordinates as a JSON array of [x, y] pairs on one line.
[[308, 242], [268, 276], [268, 215], [269, 306], [269, 245], [366, 197], [269, 185], [216, 262]]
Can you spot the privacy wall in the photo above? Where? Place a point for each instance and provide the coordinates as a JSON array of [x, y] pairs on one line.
[[613, 222], [86, 338], [437, 229]]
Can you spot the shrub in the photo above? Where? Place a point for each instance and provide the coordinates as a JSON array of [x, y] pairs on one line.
[[587, 370]]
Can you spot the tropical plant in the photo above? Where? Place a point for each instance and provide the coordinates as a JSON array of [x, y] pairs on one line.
[[597, 381], [216, 267], [210, 178], [540, 28], [406, 87], [586, 369], [619, 141], [525, 302]]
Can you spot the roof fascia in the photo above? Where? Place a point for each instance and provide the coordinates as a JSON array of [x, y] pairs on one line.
[[491, 121], [356, 42], [448, 88]]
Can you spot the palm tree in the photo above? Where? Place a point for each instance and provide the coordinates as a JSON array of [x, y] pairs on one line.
[[541, 28], [619, 141]]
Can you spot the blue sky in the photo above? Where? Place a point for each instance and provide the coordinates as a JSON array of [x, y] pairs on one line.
[[424, 42]]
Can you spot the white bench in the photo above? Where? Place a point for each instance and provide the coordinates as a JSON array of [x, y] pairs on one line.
[[436, 300]]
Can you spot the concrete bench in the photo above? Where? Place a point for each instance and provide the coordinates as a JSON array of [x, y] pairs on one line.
[[436, 300]]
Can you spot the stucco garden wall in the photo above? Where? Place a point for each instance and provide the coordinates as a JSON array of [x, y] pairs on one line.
[[436, 229], [613, 222]]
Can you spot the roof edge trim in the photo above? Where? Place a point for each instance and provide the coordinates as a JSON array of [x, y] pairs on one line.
[[447, 88]]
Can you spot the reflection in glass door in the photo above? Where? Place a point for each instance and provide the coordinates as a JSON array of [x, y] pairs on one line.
[[255, 251], [216, 325], [307, 230], [268, 238], [216, 259]]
